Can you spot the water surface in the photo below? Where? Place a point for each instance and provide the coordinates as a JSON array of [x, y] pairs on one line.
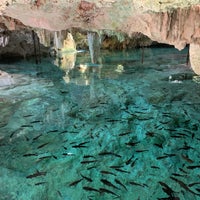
[[122, 129]]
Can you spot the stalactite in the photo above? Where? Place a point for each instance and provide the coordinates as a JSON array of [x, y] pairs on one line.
[[4, 39], [34, 45], [94, 46]]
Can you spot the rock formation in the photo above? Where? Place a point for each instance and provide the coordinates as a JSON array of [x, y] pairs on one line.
[[174, 22]]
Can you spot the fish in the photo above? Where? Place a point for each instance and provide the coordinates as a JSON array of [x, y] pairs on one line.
[[120, 183], [107, 172], [59, 193], [175, 174], [186, 158], [137, 184], [131, 143], [87, 188], [30, 154], [86, 178], [129, 160], [193, 166], [53, 131], [36, 174], [45, 157], [74, 183], [41, 183], [103, 190], [36, 121], [192, 184], [88, 156], [133, 163], [155, 167], [79, 146], [121, 170], [35, 138], [42, 145], [125, 133], [108, 183], [27, 126], [142, 150], [166, 189], [183, 185], [105, 153], [88, 161], [165, 156]]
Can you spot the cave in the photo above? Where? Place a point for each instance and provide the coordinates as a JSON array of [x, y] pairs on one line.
[[99, 99]]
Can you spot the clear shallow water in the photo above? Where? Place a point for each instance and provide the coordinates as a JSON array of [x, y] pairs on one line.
[[117, 130]]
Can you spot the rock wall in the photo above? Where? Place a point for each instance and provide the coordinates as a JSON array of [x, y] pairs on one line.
[[174, 22]]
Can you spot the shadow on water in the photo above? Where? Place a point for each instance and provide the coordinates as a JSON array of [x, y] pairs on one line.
[[116, 130]]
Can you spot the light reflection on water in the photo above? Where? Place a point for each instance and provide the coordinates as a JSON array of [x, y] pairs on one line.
[[119, 129]]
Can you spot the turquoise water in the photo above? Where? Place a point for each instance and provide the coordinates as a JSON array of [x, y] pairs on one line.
[[119, 130]]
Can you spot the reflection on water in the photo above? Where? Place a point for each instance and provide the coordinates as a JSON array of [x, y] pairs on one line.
[[121, 129]]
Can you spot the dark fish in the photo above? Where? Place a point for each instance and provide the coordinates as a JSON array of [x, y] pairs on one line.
[[12, 134], [37, 174], [166, 189], [186, 158], [183, 185], [155, 167], [165, 156], [45, 157], [125, 133], [137, 184], [129, 160], [90, 189], [59, 193], [36, 121], [133, 163], [88, 161], [41, 183], [192, 184], [120, 183], [88, 156], [82, 143], [131, 143], [107, 172], [182, 170], [175, 174], [121, 170], [79, 146], [74, 183], [159, 145], [105, 153], [140, 151], [65, 148], [42, 145], [30, 154], [28, 115], [53, 131], [193, 166], [35, 138], [26, 126], [86, 178], [108, 183], [92, 167], [103, 190], [27, 139]]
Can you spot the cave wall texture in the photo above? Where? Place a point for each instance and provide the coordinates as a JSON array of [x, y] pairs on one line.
[[174, 22]]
